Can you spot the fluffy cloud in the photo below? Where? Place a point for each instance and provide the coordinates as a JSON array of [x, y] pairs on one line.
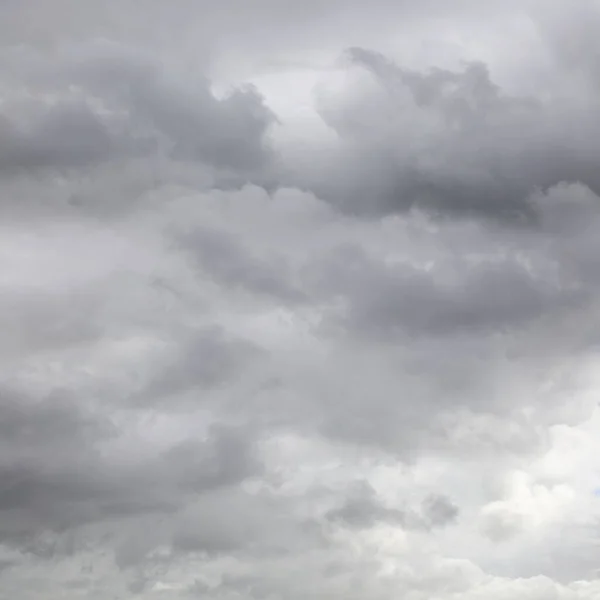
[[235, 363], [446, 140], [103, 101]]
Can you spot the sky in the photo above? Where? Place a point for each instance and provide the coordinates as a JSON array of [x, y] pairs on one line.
[[299, 300]]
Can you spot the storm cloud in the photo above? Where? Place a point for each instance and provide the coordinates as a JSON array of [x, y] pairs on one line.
[[299, 299]]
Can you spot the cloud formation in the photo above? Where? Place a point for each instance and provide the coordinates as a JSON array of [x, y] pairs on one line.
[[359, 362], [447, 141]]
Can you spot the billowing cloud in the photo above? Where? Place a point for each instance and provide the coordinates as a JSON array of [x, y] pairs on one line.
[[345, 349], [446, 140], [100, 101]]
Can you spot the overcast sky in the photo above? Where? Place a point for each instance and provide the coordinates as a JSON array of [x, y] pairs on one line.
[[299, 300]]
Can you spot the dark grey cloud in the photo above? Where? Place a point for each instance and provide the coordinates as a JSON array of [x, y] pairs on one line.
[[48, 443], [447, 141], [103, 101], [226, 260], [439, 510], [213, 330], [194, 124], [208, 360], [63, 136], [363, 509], [492, 295], [59, 472]]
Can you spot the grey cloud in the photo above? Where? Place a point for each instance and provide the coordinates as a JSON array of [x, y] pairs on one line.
[[502, 525], [52, 422], [137, 543], [387, 301], [470, 277], [219, 525], [240, 521], [226, 458], [449, 142], [227, 260], [208, 359], [434, 334], [41, 321], [570, 215], [568, 34], [465, 310], [68, 135], [228, 132], [363, 509], [6, 564], [567, 210], [463, 338], [138, 111], [56, 477], [48, 443], [267, 25], [439, 510]]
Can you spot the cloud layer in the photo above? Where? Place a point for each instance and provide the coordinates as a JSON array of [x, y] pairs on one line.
[[343, 351]]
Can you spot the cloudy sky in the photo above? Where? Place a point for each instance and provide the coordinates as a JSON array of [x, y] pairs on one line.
[[299, 300]]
